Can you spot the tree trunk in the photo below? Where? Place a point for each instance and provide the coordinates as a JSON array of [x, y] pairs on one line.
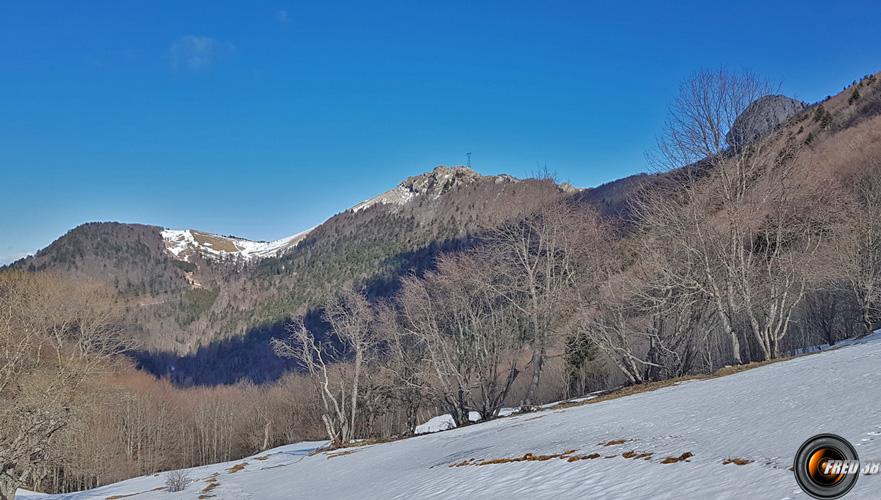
[[735, 344], [411, 418], [459, 409], [7, 488], [867, 321], [359, 357], [537, 361], [266, 434], [726, 323]]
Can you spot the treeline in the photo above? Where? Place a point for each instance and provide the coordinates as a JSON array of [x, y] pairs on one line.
[[137, 425], [75, 414]]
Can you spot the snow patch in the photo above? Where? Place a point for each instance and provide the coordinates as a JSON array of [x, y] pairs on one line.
[[400, 195], [182, 243], [442, 423]]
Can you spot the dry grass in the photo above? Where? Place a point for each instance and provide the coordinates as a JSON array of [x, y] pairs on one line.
[[736, 461], [463, 463], [116, 497], [569, 456], [576, 458], [681, 458], [360, 443], [261, 458], [340, 453], [210, 486], [215, 242], [237, 467], [526, 457], [614, 442]]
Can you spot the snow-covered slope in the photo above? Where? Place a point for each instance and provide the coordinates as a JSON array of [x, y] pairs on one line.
[[182, 244], [762, 415]]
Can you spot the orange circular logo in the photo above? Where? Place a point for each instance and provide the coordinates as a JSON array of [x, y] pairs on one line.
[[826, 466]]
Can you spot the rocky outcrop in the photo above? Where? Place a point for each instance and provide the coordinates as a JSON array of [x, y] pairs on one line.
[[761, 117], [430, 184]]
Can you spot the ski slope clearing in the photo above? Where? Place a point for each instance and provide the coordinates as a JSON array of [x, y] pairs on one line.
[[182, 244], [670, 443]]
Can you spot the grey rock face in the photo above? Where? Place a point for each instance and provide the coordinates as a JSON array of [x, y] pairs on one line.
[[761, 117]]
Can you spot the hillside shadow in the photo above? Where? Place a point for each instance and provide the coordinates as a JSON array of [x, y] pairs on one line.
[[250, 358], [246, 358], [412, 263]]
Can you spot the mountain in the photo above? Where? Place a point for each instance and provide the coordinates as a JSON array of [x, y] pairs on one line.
[[185, 290], [432, 185]]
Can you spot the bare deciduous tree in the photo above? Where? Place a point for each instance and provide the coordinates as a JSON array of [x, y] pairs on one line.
[[857, 249], [727, 212], [350, 317], [680, 319], [467, 333], [404, 360], [54, 335], [539, 260]]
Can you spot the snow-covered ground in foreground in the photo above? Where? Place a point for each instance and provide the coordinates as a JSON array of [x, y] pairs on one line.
[[762, 414]]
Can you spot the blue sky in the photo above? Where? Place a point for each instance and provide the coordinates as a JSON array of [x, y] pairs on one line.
[[261, 119]]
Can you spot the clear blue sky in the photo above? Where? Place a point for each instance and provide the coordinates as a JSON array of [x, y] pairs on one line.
[[261, 119]]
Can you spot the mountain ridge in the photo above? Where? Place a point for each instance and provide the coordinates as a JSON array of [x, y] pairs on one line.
[[185, 288]]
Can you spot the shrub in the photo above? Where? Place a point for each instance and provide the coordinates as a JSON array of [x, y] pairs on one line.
[[176, 480], [809, 139], [183, 265], [854, 96]]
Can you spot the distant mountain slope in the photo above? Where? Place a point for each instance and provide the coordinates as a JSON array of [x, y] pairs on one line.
[[130, 257], [188, 288], [611, 199], [839, 134], [378, 240]]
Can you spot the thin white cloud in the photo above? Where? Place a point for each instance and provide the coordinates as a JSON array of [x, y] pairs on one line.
[[194, 53], [282, 16]]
